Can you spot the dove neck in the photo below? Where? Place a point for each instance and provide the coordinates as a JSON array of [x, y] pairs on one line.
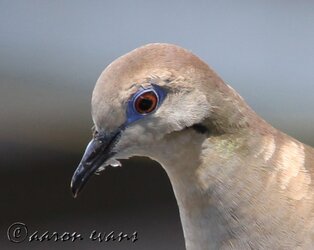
[[199, 174], [202, 224]]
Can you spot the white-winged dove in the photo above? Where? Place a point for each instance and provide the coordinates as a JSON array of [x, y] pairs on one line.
[[239, 182]]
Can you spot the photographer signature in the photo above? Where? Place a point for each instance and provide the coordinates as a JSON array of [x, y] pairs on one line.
[[18, 232]]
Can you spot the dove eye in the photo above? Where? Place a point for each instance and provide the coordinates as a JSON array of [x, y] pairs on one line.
[[146, 102]]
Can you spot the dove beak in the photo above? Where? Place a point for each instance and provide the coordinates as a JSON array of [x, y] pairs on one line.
[[98, 151]]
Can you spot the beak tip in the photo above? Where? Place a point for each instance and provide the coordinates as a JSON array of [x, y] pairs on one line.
[[74, 190], [74, 194]]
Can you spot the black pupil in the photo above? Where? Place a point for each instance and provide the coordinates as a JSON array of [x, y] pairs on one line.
[[145, 104]]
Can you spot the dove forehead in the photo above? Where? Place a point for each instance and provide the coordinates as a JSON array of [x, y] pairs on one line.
[[117, 82]]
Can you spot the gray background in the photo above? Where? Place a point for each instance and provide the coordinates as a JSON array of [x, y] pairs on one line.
[[51, 54]]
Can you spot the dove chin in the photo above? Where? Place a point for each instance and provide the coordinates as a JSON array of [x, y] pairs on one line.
[[99, 153]]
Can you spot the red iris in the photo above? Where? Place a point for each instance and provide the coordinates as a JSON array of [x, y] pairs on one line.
[[146, 102]]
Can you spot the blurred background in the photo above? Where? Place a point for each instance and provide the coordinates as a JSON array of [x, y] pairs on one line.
[[51, 54]]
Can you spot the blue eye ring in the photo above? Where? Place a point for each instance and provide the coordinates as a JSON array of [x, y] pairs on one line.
[[132, 112]]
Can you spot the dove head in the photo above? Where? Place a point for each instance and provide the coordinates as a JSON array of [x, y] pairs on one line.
[[170, 70], [147, 101]]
